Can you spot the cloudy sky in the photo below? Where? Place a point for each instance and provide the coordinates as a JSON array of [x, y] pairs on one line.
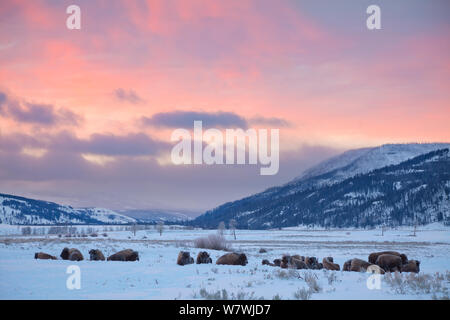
[[86, 115]]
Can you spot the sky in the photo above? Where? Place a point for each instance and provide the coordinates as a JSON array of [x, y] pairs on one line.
[[86, 115]]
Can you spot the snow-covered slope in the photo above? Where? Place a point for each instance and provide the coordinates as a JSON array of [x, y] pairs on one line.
[[391, 184], [156, 215], [20, 210], [364, 160]]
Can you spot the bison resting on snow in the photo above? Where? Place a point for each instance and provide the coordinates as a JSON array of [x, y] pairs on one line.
[[313, 263], [235, 259], [359, 265], [203, 257], [292, 262], [124, 255], [45, 256], [389, 262], [411, 266], [328, 264], [96, 255], [71, 254], [374, 256], [268, 263], [355, 265], [184, 258]]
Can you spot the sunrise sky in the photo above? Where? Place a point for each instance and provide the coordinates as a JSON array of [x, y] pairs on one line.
[[86, 115]]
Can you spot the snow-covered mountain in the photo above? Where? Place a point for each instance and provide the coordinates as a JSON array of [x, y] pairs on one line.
[[358, 161], [24, 211], [393, 184], [156, 215]]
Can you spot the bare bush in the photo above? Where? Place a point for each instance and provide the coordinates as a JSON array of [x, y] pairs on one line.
[[302, 294], [213, 242], [311, 281], [218, 295], [287, 274]]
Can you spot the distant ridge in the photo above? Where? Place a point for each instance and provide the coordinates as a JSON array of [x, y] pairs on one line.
[[18, 210], [393, 184]]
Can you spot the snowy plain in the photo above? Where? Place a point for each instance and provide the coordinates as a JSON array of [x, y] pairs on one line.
[[157, 276]]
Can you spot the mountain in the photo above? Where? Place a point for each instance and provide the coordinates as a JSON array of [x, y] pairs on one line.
[[22, 211], [396, 184], [155, 215]]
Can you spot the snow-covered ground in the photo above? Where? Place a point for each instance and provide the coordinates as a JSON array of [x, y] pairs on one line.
[[157, 276]]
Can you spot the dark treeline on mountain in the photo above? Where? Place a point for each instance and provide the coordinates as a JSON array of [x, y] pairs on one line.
[[416, 191]]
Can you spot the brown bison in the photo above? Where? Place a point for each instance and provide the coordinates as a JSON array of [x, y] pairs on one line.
[[124, 255], [313, 263], [374, 256], [288, 261], [297, 264], [277, 262], [96, 255], [356, 265], [285, 261], [44, 256], [411, 266], [298, 257], [389, 262], [235, 259], [184, 258], [268, 263], [203, 257], [329, 264], [347, 264], [71, 254]]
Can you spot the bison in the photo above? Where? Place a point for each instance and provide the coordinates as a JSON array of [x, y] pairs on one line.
[[96, 255], [124, 255], [71, 254], [389, 262], [374, 256], [203, 257], [184, 258], [288, 261], [347, 264], [356, 265], [411, 266], [44, 256], [234, 259], [329, 264], [313, 263], [268, 263]]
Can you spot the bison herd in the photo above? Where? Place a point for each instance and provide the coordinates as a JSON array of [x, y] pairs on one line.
[[73, 254], [379, 262], [236, 259]]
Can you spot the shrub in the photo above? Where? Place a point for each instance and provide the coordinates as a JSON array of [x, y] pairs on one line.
[[302, 294], [311, 281], [213, 242]]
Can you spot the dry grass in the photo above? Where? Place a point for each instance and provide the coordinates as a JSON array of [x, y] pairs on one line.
[[419, 283]]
